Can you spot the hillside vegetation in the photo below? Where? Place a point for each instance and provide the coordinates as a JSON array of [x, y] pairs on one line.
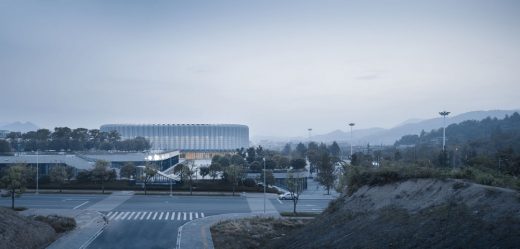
[[416, 213]]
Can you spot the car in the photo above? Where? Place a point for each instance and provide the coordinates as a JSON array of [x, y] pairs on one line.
[[287, 196]]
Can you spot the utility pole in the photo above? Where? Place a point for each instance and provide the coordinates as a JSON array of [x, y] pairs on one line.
[[444, 114], [351, 141]]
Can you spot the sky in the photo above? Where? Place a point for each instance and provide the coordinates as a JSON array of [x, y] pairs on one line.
[[279, 67]]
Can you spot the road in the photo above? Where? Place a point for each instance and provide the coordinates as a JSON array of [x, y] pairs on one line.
[[152, 221]]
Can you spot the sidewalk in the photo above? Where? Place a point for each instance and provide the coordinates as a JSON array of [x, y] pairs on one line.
[[89, 224], [196, 234], [315, 191]]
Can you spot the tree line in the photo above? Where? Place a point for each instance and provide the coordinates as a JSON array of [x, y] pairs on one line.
[[67, 139]]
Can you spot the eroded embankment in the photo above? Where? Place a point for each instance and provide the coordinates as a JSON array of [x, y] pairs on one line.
[[422, 213]]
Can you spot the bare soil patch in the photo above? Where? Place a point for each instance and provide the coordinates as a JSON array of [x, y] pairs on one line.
[[252, 232]]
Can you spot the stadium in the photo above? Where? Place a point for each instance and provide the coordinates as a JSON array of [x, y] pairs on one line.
[[186, 137]]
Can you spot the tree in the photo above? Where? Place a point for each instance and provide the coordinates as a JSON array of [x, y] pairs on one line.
[[234, 174], [251, 155], [326, 175], [214, 170], [334, 149], [150, 170], [269, 177], [298, 163], [238, 160], [101, 173], [180, 170], [5, 147], [204, 171], [14, 179], [286, 151], [58, 174], [128, 170], [256, 166], [295, 188], [301, 150], [190, 170]]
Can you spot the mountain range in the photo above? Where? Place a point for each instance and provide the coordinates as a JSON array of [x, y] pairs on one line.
[[384, 136], [18, 126]]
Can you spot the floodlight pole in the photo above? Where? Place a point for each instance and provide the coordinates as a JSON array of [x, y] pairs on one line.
[[37, 172], [264, 185], [444, 114], [310, 129], [351, 141]]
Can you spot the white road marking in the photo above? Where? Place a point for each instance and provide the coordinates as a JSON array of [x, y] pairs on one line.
[[201, 215], [149, 214], [109, 213], [191, 217], [113, 216], [142, 216], [154, 215], [78, 206], [137, 215], [184, 216], [279, 201], [119, 216], [130, 216], [166, 216], [160, 216], [179, 216], [196, 215], [124, 216], [173, 216]]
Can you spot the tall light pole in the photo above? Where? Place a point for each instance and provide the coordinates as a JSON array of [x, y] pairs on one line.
[[351, 141], [310, 129], [264, 185], [444, 114], [37, 172]]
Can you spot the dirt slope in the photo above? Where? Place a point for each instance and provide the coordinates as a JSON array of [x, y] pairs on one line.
[[17, 231], [423, 213]]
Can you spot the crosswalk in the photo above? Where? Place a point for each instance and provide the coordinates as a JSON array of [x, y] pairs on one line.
[[153, 216]]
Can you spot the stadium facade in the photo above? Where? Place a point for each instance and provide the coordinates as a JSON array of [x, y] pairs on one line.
[[186, 137]]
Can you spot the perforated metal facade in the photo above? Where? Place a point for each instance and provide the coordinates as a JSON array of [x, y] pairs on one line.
[[190, 137]]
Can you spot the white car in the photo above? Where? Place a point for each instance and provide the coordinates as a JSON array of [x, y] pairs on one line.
[[287, 196]]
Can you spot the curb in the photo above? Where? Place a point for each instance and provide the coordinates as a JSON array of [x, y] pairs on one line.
[[198, 231]]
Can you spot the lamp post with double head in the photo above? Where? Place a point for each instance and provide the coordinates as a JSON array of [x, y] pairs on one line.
[[351, 141], [444, 114]]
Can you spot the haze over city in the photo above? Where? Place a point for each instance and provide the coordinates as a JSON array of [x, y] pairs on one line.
[[278, 67]]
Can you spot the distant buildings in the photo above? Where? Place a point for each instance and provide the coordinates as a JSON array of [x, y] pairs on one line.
[[3, 134]]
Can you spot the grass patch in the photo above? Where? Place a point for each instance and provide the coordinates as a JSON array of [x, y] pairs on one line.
[[359, 176], [58, 223]]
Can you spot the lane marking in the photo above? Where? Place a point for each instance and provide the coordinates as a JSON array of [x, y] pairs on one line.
[[78, 206]]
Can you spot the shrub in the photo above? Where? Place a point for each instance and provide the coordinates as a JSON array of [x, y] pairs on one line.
[[59, 223]]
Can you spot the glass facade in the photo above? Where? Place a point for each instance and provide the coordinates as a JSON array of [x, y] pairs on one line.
[[186, 137]]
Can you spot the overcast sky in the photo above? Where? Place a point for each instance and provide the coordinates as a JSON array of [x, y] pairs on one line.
[[279, 67]]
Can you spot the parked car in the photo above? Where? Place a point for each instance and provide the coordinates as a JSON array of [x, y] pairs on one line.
[[287, 196]]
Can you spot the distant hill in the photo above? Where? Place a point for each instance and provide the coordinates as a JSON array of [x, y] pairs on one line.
[[18, 126], [378, 136]]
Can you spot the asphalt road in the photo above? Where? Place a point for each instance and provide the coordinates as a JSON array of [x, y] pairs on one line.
[[153, 221]]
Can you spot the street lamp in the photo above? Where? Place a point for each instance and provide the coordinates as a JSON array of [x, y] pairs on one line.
[[351, 141], [264, 185], [310, 129], [444, 114], [37, 172]]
